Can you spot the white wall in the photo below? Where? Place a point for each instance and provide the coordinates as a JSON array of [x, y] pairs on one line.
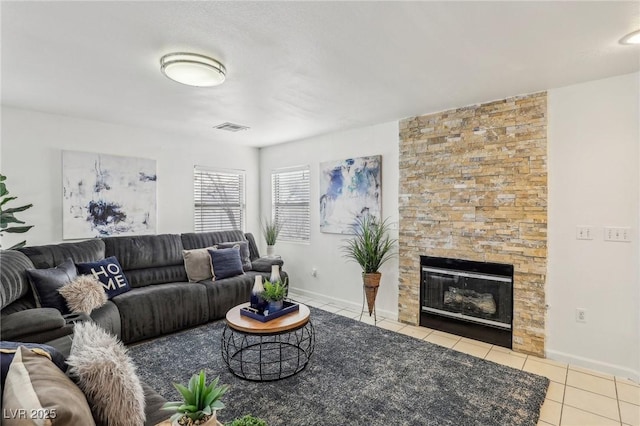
[[337, 279], [31, 158], [594, 164]]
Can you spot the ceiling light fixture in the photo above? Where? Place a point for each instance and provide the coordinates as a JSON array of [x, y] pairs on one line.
[[631, 38], [193, 69]]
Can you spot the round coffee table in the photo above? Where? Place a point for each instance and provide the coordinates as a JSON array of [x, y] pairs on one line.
[[266, 351]]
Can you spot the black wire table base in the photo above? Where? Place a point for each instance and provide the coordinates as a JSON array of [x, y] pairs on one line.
[[267, 357]]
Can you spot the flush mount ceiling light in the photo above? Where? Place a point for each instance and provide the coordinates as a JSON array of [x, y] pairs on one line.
[[193, 69], [632, 38]]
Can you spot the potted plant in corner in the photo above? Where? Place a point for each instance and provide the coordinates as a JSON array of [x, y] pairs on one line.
[[7, 215], [371, 247], [200, 402], [274, 293], [271, 229]]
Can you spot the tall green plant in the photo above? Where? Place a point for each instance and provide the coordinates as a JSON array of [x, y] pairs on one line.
[[7, 215], [371, 246], [271, 229]]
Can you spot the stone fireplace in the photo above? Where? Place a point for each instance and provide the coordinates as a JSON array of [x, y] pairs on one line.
[[473, 186]]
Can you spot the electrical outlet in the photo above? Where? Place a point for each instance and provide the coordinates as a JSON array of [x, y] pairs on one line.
[[584, 232], [581, 315], [314, 272], [617, 234]]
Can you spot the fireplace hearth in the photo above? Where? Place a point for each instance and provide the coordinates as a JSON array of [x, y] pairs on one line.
[[467, 298]]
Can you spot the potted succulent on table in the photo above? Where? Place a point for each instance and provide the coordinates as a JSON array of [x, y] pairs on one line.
[[200, 402], [271, 229], [274, 293], [371, 247]]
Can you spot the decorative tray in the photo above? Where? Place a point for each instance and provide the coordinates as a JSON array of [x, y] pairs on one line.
[[287, 308]]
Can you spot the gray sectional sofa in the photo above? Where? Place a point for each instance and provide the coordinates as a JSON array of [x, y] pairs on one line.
[[161, 299]]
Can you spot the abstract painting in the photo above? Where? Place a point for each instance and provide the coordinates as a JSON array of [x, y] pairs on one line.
[[349, 189], [107, 195]]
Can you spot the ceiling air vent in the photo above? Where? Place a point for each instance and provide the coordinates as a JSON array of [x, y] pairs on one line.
[[230, 127]]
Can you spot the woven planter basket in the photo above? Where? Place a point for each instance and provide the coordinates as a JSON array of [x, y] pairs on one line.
[[371, 282]]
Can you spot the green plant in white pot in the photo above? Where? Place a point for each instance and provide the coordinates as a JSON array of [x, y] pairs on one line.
[[370, 247], [271, 229], [274, 293], [200, 403]]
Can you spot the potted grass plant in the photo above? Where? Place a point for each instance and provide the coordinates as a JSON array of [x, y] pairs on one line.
[[271, 229], [200, 402], [370, 247], [274, 293]]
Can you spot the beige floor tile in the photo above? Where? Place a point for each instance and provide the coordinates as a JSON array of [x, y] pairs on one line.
[[629, 413], [591, 372], [541, 423], [368, 319], [390, 325], [315, 303], [555, 392], [550, 412], [549, 361], [627, 381], [331, 308], [555, 373], [508, 358], [438, 339], [349, 314], [591, 383], [477, 343], [628, 393], [471, 349], [449, 335], [591, 402], [417, 332], [508, 351], [575, 417]]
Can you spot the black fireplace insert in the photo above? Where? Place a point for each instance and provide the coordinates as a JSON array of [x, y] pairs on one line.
[[467, 298]]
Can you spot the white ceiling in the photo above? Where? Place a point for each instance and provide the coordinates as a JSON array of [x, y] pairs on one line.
[[299, 69]]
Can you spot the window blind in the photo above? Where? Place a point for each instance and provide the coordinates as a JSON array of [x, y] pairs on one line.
[[291, 200], [219, 203]]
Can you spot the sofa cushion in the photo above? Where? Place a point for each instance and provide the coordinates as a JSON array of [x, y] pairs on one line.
[[223, 295], [264, 264], [84, 294], [109, 272], [253, 247], [149, 259], [108, 317], [245, 256], [159, 309], [52, 255], [31, 321], [107, 376], [197, 262], [9, 349], [35, 384], [14, 282], [47, 282], [226, 262]]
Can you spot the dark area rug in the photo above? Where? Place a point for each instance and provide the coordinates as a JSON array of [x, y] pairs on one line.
[[358, 375]]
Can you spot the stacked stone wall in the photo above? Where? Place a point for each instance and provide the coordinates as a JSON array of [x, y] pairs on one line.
[[473, 185]]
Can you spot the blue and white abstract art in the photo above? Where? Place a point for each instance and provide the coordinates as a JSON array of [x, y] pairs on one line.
[[107, 195], [349, 189]]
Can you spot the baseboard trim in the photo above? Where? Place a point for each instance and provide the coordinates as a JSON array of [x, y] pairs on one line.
[[615, 370], [353, 306]]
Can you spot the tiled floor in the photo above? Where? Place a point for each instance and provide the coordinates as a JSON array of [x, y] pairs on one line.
[[576, 396]]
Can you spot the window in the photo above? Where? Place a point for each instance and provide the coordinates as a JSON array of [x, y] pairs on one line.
[[290, 201], [218, 199]]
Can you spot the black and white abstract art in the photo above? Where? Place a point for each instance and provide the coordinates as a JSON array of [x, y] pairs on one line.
[[107, 195]]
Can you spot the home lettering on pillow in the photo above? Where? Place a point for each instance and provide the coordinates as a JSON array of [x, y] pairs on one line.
[[109, 272]]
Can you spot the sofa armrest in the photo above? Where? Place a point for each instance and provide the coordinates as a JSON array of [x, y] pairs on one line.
[[264, 264], [31, 321]]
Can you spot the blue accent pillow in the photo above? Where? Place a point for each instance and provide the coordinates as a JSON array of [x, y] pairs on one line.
[[109, 272], [226, 262], [9, 349], [245, 255], [47, 282]]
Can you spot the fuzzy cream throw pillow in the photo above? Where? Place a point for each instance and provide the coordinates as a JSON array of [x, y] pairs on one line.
[[107, 376], [84, 294]]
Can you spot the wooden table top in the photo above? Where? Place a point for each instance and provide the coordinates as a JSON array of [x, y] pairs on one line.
[[286, 322]]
